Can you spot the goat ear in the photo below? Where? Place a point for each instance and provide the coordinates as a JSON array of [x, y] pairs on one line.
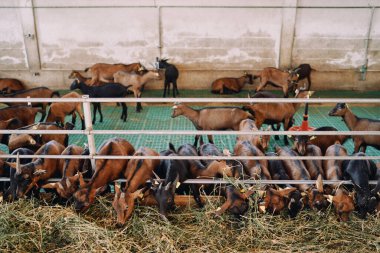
[[82, 183], [261, 193], [285, 192], [138, 194], [117, 190], [329, 198], [319, 183]]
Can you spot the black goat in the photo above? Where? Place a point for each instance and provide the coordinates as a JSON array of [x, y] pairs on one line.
[[109, 90], [303, 71], [360, 172], [171, 75], [174, 172], [10, 192]]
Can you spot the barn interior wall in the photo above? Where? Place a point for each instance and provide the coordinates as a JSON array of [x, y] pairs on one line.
[[42, 41]]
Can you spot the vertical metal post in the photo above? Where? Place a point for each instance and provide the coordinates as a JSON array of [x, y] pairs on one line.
[[159, 32], [364, 67], [88, 122]]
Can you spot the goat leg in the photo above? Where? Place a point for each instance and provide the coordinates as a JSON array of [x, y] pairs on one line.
[[210, 139], [100, 112], [73, 118], [43, 107], [196, 195], [175, 86], [95, 108], [196, 140]]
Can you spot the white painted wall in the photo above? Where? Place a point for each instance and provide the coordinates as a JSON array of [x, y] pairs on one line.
[[206, 39]]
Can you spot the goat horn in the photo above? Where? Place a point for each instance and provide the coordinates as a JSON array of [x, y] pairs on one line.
[[68, 183], [167, 187], [117, 188], [160, 187], [157, 177], [82, 183], [39, 172]]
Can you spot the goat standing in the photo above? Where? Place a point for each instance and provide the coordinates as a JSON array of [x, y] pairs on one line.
[[171, 76], [212, 118], [355, 123], [109, 90], [136, 81]]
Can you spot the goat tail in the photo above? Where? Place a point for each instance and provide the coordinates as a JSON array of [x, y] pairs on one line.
[[86, 69]]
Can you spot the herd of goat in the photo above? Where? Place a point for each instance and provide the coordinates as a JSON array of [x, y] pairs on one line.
[[159, 180]]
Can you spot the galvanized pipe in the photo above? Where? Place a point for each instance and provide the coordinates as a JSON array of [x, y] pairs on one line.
[[113, 157], [199, 100]]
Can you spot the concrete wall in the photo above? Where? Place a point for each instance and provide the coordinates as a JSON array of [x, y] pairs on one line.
[[43, 40]]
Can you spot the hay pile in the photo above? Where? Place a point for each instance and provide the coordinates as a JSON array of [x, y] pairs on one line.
[[32, 226]]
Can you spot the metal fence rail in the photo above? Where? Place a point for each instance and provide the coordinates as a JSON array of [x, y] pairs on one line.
[[91, 133]]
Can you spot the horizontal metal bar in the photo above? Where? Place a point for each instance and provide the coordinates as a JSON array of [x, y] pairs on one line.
[[188, 132], [224, 181], [198, 100], [196, 157], [253, 6]]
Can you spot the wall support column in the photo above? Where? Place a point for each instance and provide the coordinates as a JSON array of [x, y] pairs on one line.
[[27, 18], [288, 26]]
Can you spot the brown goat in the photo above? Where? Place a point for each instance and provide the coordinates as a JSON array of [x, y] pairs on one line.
[[325, 141], [229, 85], [13, 123], [236, 201], [212, 118], [35, 173], [104, 72], [34, 141], [343, 203], [39, 92], [76, 75], [276, 112], [276, 200], [316, 198], [253, 168], [137, 81], [70, 176], [59, 110], [138, 171], [355, 123], [342, 200], [333, 168], [295, 169], [106, 171], [10, 85], [314, 167], [25, 114], [286, 80], [262, 142]]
